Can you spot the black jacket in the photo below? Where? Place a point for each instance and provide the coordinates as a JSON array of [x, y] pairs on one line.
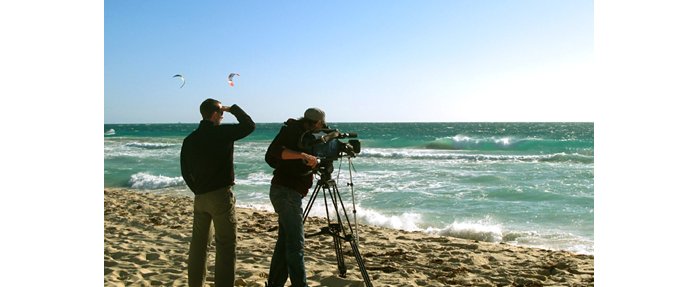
[[206, 158], [289, 173]]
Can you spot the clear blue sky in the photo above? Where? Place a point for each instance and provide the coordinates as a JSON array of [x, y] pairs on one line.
[[360, 61]]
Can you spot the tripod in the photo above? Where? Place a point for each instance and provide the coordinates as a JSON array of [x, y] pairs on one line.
[[336, 229]]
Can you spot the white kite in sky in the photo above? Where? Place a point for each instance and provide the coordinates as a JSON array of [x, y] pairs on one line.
[[181, 77]]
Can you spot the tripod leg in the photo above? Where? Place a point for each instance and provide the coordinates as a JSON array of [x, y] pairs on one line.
[[337, 230], [360, 262], [311, 200], [352, 240], [341, 266]]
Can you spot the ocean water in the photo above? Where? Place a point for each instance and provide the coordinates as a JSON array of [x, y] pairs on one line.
[[529, 184]]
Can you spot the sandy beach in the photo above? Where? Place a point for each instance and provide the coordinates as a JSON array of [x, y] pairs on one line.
[[146, 239]]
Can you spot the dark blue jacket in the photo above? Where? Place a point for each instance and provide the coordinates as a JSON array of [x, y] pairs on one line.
[[206, 158], [289, 173]]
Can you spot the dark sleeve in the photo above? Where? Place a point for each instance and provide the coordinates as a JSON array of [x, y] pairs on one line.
[[244, 127], [184, 165], [273, 155], [287, 138]]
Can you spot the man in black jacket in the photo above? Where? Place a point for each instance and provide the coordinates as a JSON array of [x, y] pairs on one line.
[[291, 181], [206, 161]]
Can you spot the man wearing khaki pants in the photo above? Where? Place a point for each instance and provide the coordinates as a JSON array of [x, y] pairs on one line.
[[206, 161]]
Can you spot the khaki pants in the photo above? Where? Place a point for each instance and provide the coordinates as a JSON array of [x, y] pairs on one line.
[[217, 206]]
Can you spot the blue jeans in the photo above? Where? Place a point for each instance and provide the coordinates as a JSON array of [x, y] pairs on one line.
[[217, 206], [287, 260]]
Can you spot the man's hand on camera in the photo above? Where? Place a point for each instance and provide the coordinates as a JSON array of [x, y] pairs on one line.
[[309, 160]]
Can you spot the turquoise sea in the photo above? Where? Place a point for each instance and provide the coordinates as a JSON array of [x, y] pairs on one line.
[[529, 184]]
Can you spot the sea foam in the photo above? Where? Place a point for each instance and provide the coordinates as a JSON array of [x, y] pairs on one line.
[[259, 178], [467, 230], [147, 145], [406, 221], [144, 180], [429, 154]]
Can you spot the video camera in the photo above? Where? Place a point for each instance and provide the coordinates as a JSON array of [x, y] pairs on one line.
[[325, 144]]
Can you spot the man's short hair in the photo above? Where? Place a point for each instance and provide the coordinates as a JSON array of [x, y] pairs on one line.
[[208, 107]]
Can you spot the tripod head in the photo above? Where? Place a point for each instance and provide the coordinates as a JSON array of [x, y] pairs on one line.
[[325, 168]]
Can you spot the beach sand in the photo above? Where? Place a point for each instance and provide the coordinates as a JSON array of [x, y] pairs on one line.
[[146, 241]]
